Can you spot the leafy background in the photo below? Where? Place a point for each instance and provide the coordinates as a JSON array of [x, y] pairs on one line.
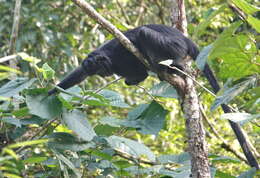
[[121, 130]]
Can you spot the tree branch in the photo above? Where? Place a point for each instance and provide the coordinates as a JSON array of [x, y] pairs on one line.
[[198, 148]]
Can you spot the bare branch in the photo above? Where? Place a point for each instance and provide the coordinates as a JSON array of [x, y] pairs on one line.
[[8, 58]]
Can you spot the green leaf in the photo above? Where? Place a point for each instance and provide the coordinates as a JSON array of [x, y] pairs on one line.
[[248, 174], [95, 99], [65, 103], [95, 102], [4, 75], [246, 7], [77, 121], [113, 122], [13, 87], [130, 147], [255, 23], [203, 56], [12, 120], [28, 58], [48, 72], [66, 141], [105, 130], [136, 112], [164, 89], [28, 143], [159, 169], [11, 175], [200, 29], [35, 159], [225, 159], [147, 119], [225, 95], [22, 112], [237, 52], [151, 121], [102, 154], [240, 118], [114, 98], [121, 164], [46, 107], [228, 32], [9, 69], [68, 163], [179, 159], [96, 95], [221, 174], [32, 120]]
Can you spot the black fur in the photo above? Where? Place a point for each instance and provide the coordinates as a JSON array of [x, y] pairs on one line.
[[157, 43]]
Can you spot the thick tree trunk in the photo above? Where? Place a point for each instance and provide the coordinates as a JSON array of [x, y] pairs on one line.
[[190, 106]]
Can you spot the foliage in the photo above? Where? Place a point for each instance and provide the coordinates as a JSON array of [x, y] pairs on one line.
[[119, 130]]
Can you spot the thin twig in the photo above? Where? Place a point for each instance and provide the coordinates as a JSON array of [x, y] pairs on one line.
[[141, 11], [66, 92], [210, 92], [147, 92], [98, 90], [123, 12], [224, 144], [44, 127]]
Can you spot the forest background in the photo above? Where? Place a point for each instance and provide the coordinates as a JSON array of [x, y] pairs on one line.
[[116, 129]]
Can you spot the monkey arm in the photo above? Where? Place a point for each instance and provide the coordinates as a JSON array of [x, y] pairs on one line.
[[75, 77]]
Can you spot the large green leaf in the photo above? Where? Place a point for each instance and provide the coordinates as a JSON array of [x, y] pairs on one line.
[[201, 59], [13, 87], [46, 107], [226, 94], [114, 98], [69, 164], [254, 22], [35, 159], [147, 119], [159, 169], [66, 141], [240, 118], [47, 71], [238, 53], [12, 121], [200, 29], [105, 130], [246, 7], [151, 121], [249, 174], [224, 159], [130, 147], [164, 89], [221, 174], [179, 159], [77, 121]]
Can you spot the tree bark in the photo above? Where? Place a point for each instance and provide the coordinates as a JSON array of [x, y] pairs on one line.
[[186, 90], [190, 105]]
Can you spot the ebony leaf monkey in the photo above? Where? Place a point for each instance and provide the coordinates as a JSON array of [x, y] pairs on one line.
[[157, 43]]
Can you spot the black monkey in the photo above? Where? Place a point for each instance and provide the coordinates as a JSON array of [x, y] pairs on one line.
[[157, 43]]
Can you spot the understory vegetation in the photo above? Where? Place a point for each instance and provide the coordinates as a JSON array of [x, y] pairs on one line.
[[103, 127]]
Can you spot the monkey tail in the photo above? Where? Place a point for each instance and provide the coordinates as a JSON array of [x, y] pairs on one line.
[[75, 77]]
